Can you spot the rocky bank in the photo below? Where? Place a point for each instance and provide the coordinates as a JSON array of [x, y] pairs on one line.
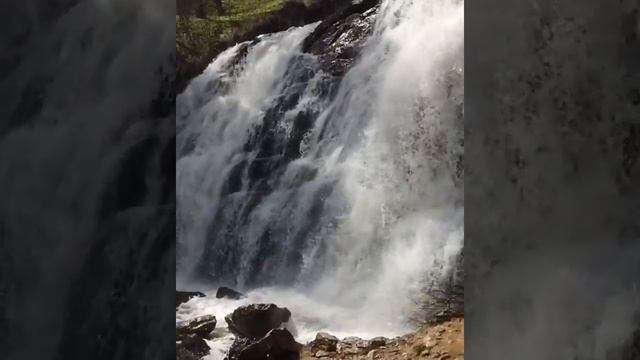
[[261, 333], [444, 341]]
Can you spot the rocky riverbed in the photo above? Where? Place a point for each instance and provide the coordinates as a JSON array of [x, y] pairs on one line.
[[262, 331], [444, 341]]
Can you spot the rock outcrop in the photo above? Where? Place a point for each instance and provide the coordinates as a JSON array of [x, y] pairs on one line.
[[191, 347], [276, 344], [228, 293], [190, 343], [256, 320], [324, 342], [201, 326], [259, 335], [184, 296], [338, 39]]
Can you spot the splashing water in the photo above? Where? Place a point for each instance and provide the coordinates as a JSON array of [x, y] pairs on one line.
[[338, 198]]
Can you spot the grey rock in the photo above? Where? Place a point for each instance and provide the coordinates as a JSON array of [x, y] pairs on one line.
[[201, 326], [256, 320]]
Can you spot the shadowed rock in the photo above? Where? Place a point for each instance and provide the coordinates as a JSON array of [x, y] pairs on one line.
[[276, 344], [191, 347], [256, 320], [228, 293], [337, 41], [184, 296]]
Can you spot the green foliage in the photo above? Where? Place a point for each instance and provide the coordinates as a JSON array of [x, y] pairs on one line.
[[246, 10], [200, 39], [198, 34]]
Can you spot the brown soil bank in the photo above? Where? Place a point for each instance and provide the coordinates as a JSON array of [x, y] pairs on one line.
[[444, 341], [190, 61]]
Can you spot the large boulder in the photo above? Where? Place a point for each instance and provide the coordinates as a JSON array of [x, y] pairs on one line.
[[324, 342], [228, 293], [256, 320], [201, 326], [191, 347], [184, 296], [276, 344], [337, 41], [355, 345]]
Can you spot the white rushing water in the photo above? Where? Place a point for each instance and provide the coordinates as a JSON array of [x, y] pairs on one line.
[[347, 232]]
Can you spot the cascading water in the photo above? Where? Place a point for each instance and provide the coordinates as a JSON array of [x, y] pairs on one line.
[[338, 197]]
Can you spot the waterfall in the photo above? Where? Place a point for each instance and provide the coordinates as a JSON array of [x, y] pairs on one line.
[[337, 196]]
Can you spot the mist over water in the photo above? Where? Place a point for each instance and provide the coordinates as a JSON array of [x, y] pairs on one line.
[[338, 198]]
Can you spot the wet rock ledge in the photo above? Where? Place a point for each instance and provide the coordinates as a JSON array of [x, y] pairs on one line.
[[184, 296]]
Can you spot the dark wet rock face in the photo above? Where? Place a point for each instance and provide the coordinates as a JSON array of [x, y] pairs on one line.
[[184, 296], [256, 320], [336, 17], [190, 343], [228, 293], [236, 348], [276, 344], [191, 347], [338, 40], [259, 335]]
